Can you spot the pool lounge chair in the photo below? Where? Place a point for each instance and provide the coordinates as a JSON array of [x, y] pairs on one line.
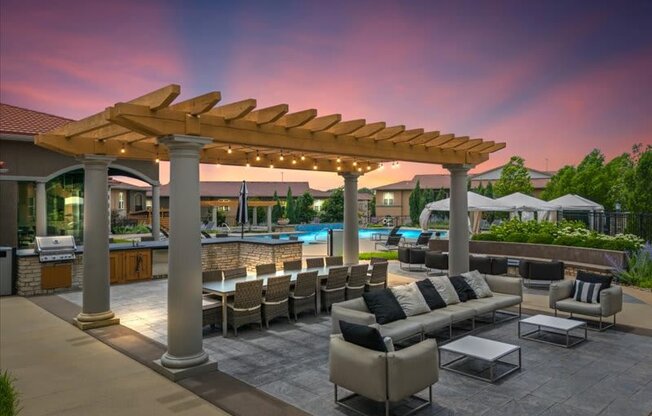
[[390, 244], [422, 240]]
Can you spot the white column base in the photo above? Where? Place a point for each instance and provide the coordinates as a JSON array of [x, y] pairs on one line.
[[86, 321], [176, 374]]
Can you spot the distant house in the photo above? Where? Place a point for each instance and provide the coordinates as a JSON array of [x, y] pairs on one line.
[[364, 206], [539, 179], [126, 199], [393, 200]]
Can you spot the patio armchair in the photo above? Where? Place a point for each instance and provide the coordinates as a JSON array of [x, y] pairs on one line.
[[334, 261], [304, 297], [386, 377], [276, 301], [610, 302], [292, 265], [315, 262], [436, 260], [375, 260], [394, 230], [334, 289], [378, 278], [356, 282], [211, 311], [262, 269], [235, 273], [391, 243], [480, 263], [246, 304], [410, 256], [540, 271]]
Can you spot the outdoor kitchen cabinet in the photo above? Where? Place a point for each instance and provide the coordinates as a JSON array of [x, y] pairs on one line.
[[130, 265]]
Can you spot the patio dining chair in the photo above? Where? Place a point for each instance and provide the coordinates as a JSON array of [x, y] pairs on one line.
[[246, 304], [211, 276], [235, 273], [211, 311], [334, 289], [276, 303], [315, 262], [304, 298], [378, 278], [292, 265], [357, 280], [334, 261], [391, 243], [269, 268]]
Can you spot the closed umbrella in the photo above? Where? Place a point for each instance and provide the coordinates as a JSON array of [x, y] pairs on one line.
[[242, 216]]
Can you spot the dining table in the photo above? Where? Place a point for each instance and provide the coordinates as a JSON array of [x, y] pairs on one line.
[[226, 287]]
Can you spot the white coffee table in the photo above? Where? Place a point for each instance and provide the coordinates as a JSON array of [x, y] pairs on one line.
[[552, 327], [480, 356]]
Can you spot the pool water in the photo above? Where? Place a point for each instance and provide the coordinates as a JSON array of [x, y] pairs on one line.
[[317, 233]]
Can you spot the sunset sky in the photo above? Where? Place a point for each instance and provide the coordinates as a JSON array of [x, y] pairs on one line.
[[552, 79]]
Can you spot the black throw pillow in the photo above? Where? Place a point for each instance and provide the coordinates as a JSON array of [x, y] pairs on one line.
[[588, 277], [430, 294], [384, 306], [362, 335], [464, 291]]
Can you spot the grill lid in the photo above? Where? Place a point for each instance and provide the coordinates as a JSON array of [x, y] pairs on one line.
[[56, 248]]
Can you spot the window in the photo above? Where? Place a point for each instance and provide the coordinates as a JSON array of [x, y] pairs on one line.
[[388, 198], [138, 202], [121, 200]]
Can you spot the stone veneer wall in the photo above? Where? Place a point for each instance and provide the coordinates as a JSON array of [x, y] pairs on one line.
[[28, 282], [214, 257]]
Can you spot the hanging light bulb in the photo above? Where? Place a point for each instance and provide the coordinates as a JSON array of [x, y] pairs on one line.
[[339, 168], [157, 160], [257, 156], [314, 166], [359, 169], [355, 163], [294, 161], [122, 149], [338, 159], [303, 157], [398, 164], [247, 164], [229, 151], [368, 167], [271, 166], [281, 157]]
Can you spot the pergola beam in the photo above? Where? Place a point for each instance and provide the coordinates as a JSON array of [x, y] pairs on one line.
[[198, 105], [267, 115], [346, 127], [234, 111], [406, 136], [323, 122], [369, 130], [388, 133], [297, 119]]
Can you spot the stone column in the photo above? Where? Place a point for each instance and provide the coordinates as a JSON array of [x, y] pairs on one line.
[[269, 219], [458, 232], [156, 212], [214, 215], [351, 243], [185, 354], [41, 209], [254, 217], [96, 296]]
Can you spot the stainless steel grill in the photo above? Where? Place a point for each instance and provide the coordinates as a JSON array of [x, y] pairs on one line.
[[55, 248]]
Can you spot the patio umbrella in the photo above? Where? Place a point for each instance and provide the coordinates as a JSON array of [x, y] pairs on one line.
[[241, 215]]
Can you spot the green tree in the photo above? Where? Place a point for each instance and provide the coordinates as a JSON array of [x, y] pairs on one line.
[[560, 184], [372, 202], [590, 180], [479, 189], [332, 210], [618, 173], [429, 196], [441, 194], [514, 178], [289, 207], [640, 183], [304, 211], [416, 203], [277, 210], [489, 190]]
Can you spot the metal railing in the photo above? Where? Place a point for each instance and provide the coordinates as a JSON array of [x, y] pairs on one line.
[[612, 223]]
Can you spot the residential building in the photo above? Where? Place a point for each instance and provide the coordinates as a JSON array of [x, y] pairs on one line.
[[364, 206], [393, 200], [126, 199], [41, 191], [539, 179]]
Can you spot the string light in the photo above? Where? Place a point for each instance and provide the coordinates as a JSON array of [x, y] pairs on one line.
[[229, 151], [338, 159], [294, 161], [355, 163], [281, 157], [247, 165], [157, 160], [368, 167], [339, 168], [359, 169], [314, 166], [303, 157], [122, 149], [380, 166], [257, 156], [271, 166]]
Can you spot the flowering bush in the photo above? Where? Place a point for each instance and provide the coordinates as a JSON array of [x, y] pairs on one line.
[[563, 233]]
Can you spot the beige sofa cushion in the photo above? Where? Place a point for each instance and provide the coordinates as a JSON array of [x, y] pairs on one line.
[[410, 298], [571, 305], [400, 329], [478, 283], [445, 289], [432, 321]]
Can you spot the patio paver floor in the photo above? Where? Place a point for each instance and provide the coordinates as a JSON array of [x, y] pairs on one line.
[[609, 374]]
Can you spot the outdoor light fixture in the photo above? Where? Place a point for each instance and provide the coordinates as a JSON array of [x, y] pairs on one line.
[[257, 156], [339, 168], [380, 166], [359, 169], [157, 160], [271, 166], [122, 149], [368, 167], [294, 161], [355, 163], [314, 166], [229, 151], [303, 157], [338, 159], [247, 165]]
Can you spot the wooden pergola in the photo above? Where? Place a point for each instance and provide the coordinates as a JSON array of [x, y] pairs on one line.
[[244, 135], [197, 130]]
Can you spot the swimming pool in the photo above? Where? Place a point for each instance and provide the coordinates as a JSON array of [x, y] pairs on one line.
[[317, 233]]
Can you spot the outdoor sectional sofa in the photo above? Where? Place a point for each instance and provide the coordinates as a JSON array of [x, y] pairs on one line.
[[507, 292]]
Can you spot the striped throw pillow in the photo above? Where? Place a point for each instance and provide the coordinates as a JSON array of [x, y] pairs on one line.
[[587, 292]]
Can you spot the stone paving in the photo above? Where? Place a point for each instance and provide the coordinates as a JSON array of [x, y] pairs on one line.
[[611, 374]]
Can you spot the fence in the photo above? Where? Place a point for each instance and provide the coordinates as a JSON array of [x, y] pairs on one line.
[[612, 223]]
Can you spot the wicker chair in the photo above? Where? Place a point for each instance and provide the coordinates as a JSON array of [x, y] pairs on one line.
[[262, 269], [246, 305], [211, 276], [334, 289], [276, 302], [334, 261], [315, 262], [378, 279], [375, 260], [211, 311], [357, 280], [304, 298], [292, 265], [235, 273]]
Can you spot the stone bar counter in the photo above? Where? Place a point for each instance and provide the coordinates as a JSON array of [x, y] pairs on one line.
[[148, 260]]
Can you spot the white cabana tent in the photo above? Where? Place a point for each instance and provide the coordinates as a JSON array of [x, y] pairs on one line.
[[528, 205], [576, 203], [477, 203]]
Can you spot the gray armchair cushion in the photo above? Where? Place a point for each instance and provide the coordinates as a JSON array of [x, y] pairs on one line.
[[436, 260], [498, 265], [611, 300], [546, 270], [558, 291], [506, 285], [399, 330], [431, 321]]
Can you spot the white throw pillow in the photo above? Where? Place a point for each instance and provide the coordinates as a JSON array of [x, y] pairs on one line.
[[410, 298], [478, 283], [445, 289]]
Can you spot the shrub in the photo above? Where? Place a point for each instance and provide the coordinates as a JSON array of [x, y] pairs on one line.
[[9, 401], [639, 269], [486, 237], [541, 238], [516, 237], [388, 255]]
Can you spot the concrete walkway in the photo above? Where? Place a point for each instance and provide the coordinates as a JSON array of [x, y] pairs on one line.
[[61, 370]]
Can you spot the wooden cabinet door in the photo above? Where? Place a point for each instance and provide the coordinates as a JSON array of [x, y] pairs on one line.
[[117, 267], [138, 265], [146, 269], [56, 275]]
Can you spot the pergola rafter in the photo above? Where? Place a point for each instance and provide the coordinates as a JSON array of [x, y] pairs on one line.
[[243, 134]]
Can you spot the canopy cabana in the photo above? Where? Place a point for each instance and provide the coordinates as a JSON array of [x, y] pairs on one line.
[[476, 204], [197, 130], [572, 202], [527, 205]]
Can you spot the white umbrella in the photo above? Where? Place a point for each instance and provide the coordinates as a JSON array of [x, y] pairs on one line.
[[241, 215]]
